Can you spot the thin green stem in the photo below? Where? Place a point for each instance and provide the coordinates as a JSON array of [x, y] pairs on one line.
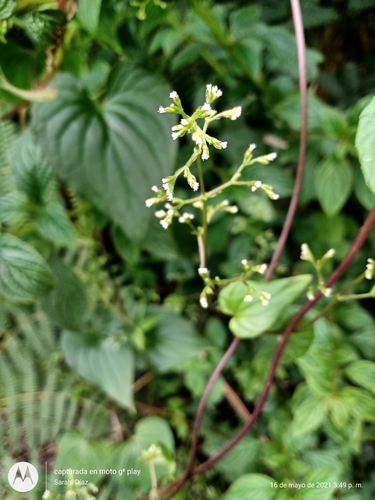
[[332, 304], [203, 253]]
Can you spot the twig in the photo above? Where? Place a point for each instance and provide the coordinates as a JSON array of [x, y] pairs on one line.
[[236, 403], [298, 27]]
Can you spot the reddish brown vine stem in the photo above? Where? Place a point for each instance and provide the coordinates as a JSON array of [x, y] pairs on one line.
[[354, 249], [301, 49]]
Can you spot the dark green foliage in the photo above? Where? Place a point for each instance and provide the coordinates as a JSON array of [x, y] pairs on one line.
[[104, 348]]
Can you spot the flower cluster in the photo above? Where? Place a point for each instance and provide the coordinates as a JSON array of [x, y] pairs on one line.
[[188, 124]]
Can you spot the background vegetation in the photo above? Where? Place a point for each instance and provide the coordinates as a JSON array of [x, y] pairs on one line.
[[104, 347]]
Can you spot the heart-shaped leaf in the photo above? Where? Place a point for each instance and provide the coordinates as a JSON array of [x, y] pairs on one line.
[[24, 274], [114, 151], [103, 363], [251, 319]]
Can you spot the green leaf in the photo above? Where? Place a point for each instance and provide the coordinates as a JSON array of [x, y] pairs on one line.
[[113, 152], [80, 453], [174, 341], [53, 224], [309, 414], [33, 175], [365, 197], [289, 110], [362, 372], [148, 431], [362, 404], [6, 8], [298, 344], [67, 305], [24, 274], [251, 487], [327, 477], [333, 184], [88, 14], [102, 362], [365, 144], [241, 21], [251, 319], [339, 411]]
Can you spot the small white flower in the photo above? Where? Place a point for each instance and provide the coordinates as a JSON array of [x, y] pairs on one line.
[[161, 109], [206, 107], [202, 271], [198, 141], [248, 298], [150, 202], [271, 156], [164, 223], [274, 196], [173, 94], [328, 292], [244, 262], [224, 144], [233, 209], [264, 302], [170, 197], [252, 147], [369, 269], [256, 185], [203, 302], [310, 294], [330, 253], [181, 220], [262, 269], [160, 213], [154, 189], [184, 121], [170, 212], [305, 252], [237, 113], [174, 135], [205, 156], [195, 186]]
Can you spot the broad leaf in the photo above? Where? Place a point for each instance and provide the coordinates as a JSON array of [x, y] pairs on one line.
[[333, 183], [6, 8], [148, 431], [88, 14], [102, 362], [68, 303], [113, 152], [251, 487], [361, 403], [33, 175], [365, 144], [53, 224], [251, 319], [326, 477], [24, 274], [174, 341], [81, 453], [309, 414], [362, 373]]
